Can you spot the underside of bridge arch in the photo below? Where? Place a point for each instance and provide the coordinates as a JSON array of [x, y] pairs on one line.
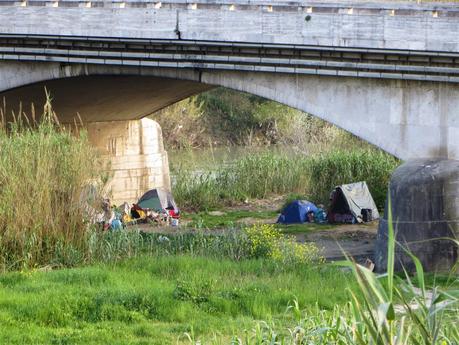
[[409, 119], [99, 98]]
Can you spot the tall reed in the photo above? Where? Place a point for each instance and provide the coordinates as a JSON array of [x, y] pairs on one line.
[[337, 167], [44, 171], [261, 175]]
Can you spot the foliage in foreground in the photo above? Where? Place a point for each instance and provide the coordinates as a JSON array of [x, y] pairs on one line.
[[261, 175], [384, 310], [44, 171], [265, 240], [203, 298], [157, 299], [258, 241]]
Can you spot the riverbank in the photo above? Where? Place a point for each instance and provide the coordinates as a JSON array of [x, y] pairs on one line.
[[65, 281], [267, 174], [224, 117], [335, 241]]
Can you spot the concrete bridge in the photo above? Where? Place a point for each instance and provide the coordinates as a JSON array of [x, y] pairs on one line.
[[387, 72]]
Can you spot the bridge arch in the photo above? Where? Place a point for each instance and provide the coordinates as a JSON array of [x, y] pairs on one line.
[[395, 115]]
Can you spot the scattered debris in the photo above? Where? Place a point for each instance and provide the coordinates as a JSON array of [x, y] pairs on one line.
[[163, 239], [217, 213], [368, 264]]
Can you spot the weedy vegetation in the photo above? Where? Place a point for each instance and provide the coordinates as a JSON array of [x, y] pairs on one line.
[[262, 175], [45, 172], [386, 309], [158, 299], [215, 289]]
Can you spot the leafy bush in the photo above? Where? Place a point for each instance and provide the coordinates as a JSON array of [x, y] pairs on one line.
[[263, 239], [290, 252], [183, 124], [196, 292], [268, 242]]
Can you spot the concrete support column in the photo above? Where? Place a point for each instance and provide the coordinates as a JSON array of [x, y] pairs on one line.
[[136, 155], [425, 210]]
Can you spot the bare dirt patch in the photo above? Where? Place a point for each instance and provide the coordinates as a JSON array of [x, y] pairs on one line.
[[356, 240]]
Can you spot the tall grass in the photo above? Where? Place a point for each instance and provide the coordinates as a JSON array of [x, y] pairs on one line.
[[340, 167], [44, 171], [155, 300], [256, 242], [265, 174], [46, 207]]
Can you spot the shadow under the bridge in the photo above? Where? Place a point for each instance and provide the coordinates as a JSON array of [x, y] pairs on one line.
[[101, 97]]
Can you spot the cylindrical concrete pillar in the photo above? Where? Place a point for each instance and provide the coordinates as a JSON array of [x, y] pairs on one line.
[[424, 197]]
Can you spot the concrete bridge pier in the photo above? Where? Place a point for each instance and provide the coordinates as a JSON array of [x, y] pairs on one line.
[[424, 196], [135, 156]]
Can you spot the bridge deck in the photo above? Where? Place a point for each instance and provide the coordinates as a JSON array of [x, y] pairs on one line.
[[207, 55]]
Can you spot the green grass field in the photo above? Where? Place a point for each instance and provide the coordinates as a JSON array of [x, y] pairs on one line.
[[129, 287], [226, 219], [155, 300], [303, 228]]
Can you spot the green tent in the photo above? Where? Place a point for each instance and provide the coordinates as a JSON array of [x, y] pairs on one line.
[[157, 199]]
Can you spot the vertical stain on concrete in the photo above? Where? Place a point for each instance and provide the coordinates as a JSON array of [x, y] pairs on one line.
[[141, 134], [404, 109], [442, 90]]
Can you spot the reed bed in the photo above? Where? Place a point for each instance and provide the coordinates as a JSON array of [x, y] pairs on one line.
[[44, 171], [50, 185], [262, 175], [334, 168]]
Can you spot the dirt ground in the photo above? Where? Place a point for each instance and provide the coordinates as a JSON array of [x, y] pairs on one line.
[[356, 240]]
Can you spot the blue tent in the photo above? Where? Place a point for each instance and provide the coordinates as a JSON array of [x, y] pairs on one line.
[[296, 212]]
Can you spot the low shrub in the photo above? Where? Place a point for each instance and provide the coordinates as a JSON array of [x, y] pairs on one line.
[[265, 240], [196, 292], [290, 252]]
